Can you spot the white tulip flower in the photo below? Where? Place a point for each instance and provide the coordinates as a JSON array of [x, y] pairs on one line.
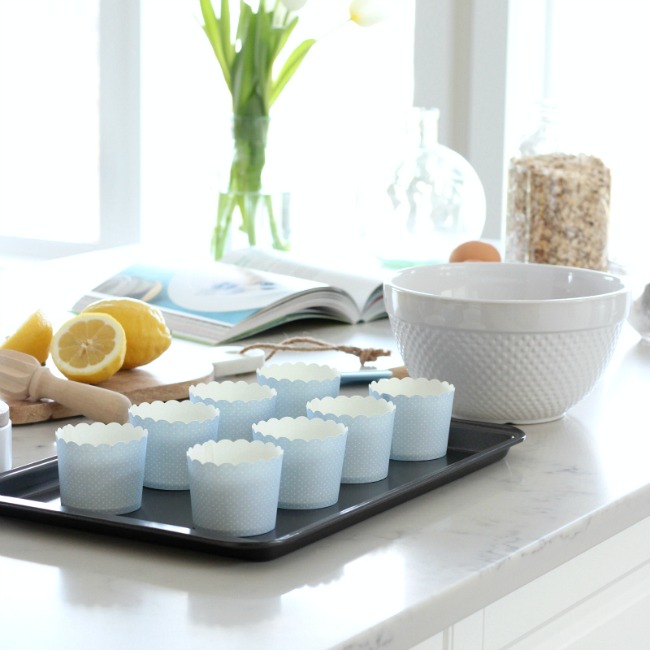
[[294, 5], [369, 12]]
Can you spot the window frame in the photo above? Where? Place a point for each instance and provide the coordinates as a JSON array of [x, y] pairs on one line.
[[464, 65], [119, 120]]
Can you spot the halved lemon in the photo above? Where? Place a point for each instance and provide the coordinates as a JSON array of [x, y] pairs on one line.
[[32, 337], [89, 348]]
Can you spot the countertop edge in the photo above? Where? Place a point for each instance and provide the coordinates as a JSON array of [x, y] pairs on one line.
[[417, 624]]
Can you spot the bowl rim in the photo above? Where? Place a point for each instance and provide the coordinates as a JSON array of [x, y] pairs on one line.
[[623, 288]]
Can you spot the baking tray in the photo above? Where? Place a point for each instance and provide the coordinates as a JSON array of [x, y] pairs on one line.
[[32, 492]]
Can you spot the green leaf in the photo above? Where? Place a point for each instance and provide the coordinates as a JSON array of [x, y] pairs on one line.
[[245, 16], [213, 33], [262, 63], [248, 86], [238, 81], [248, 60], [239, 76], [281, 36], [290, 67], [224, 22]]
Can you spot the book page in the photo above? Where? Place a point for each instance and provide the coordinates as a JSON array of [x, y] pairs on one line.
[[218, 302], [363, 284], [218, 291]]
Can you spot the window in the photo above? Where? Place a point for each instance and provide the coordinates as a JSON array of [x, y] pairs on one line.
[[491, 62], [121, 117], [48, 120], [597, 69], [66, 120], [333, 120], [114, 114]]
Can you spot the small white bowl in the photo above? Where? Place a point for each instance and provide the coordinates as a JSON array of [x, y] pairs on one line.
[[521, 343]]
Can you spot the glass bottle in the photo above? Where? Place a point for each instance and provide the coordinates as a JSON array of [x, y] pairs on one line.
[[558, 200], [434, 201]]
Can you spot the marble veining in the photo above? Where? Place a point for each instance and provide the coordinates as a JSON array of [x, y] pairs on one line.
[[388, 582]]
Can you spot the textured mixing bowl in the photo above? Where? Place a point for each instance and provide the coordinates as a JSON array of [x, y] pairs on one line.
[[521, 343]]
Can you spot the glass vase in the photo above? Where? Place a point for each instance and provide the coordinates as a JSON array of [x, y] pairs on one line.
[[252, 208], [434, 200]]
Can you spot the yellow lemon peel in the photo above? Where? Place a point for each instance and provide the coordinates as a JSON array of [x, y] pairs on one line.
[[147, 335], [34, 337]]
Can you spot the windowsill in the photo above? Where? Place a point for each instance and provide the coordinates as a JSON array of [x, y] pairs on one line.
[[10, 261]]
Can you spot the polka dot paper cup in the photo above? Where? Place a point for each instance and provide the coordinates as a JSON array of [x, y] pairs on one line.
[[173, 428], [370, 433], [101, 467], [235, 486], [314, 450], [297, 383], [422, 415], [240, 405]]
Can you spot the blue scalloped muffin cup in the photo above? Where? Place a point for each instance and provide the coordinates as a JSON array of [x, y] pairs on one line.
[[240, 405], [422, 415], [314, 450], [370, 433], [235, 486], [297, 384], [101, 467], [173, 428]]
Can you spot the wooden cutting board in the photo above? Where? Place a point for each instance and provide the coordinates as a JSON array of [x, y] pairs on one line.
[[168, 377]]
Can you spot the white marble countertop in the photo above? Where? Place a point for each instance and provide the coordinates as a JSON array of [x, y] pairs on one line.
[[390, 581]]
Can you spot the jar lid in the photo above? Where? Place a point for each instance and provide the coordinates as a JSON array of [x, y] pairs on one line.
[[4, 414]]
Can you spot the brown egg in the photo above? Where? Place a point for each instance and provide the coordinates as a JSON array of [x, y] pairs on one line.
[[475, 251]]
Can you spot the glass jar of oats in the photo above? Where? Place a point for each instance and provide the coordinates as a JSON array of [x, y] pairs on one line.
[[558, 200]]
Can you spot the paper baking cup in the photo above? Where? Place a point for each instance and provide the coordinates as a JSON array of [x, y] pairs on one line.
[[314, 450], [235, 485], [297, 383], [370, 433], [173, 428], [240, 405], [422, 415], [101, 466]]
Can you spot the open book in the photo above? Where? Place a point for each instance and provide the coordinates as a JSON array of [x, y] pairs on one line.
[[248, 291]]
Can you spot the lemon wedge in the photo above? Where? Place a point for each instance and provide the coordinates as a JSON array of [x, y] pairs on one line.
[[89, 348], [33, 337]]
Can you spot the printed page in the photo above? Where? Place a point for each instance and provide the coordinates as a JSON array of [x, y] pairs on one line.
[[364, 284], [205, 302]]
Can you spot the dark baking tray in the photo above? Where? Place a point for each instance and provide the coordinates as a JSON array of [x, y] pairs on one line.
[[32, 492]]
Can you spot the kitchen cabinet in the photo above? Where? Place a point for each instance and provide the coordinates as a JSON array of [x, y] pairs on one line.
[[598, 600]]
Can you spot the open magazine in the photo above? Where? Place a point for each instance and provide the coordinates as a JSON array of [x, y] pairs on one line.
[[248, 291]]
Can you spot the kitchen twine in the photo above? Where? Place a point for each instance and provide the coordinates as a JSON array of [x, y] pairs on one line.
[[307, 344]]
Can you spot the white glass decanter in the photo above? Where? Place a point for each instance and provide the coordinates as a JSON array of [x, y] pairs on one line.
[[434, 202]]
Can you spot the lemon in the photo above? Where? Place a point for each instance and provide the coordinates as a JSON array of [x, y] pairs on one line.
[[147, 335], [89, 348], [32, 337]]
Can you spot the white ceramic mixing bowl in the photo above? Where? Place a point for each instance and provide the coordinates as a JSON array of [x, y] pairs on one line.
[[521, 343]]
